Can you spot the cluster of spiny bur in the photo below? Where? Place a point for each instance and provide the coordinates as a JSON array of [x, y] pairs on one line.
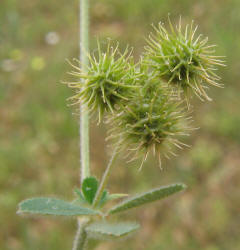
[[147, 111]]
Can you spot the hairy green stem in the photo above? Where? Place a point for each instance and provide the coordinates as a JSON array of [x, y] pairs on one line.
[[84, 126], [105, 178], [80, 241]]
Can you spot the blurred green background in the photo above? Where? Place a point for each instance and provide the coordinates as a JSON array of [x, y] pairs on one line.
[[39, 149]]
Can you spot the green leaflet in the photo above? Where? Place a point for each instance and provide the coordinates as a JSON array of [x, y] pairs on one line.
[[116, 196], [104, 198], [109, 197], [89, 188], [150, 196], [109, 230], [53, 206], [79, 195]]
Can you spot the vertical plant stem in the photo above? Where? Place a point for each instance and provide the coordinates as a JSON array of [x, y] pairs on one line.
[[84, 126], [105, 178], [80, 241]]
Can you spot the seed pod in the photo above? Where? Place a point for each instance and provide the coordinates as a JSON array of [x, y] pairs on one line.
[[153, 120], [109, 80], [183, 61]]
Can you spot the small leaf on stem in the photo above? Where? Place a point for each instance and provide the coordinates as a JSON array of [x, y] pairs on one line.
[[109, 230], [116, 196], [150, 196], [89, 188], [53, 206]]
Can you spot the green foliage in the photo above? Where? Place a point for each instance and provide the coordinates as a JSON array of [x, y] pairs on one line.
[[116, 196], [53, 206], [104, 230], [88, 192], [104, 198], [89, 188], [150, 196], [109, 197], [183, 61], [80, 197]]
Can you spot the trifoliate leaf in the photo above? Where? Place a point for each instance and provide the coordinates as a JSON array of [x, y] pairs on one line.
[[109, 230], [53, 206], [89, 188], [150, 196]]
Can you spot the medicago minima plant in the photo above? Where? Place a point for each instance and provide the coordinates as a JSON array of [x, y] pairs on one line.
[[146, 106]]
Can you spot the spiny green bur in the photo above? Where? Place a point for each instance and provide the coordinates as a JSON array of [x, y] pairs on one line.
[[151, 121], [184, 61], [108, 81]]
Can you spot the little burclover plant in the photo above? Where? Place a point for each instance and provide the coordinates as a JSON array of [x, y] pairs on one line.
[[145, 112]]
